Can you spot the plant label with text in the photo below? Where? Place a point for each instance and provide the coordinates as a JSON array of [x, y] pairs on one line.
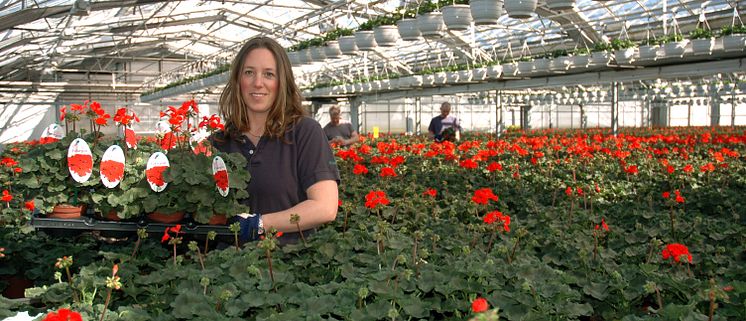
[[157, 164], [220, 174], [80, 160], [112, 166]]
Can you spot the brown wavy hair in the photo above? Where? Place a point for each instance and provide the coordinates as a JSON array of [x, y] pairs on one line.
[[285, 111]]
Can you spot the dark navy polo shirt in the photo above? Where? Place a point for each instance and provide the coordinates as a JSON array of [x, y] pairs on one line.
[[282, 172]]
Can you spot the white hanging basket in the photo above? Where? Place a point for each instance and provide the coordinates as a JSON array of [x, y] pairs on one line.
[[541, 65], [675, 49], [625, 56], [408, 29], [703, 46], [457, 17], [525, 67], [386, 36], [560, 4], [294, 58], [479, 74], [562, 63], [428, 80], [734, 43], [520, 9], [580, 61], [304, 56], [465, 76], [510, 69], [599, 59], [365, 40], [347, 45], [318, 54], [431, 24], [441, 77], [494, 71], [332, 50], [649, 52], [486, 12], [452, 77]]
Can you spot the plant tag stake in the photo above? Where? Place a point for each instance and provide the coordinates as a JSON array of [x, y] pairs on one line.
[[157, 164], [79, 160], [54, 132], [112, 166], [220, 174]]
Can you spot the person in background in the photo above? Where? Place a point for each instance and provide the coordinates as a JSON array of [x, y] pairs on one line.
[[339, 133], [293, 170], [444, 126]]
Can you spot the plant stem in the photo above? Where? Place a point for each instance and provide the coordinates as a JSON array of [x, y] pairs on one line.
[[201, 260], [106, 304], [70, 281], [137, 247], [712, 299], [235, 237], [297, 224], [595, 245], [344, 226], [515, 247], [658, 298], [269, 262], [174, 253], [207, 242], [492, 238]]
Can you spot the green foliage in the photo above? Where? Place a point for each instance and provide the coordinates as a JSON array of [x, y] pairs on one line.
[[700, 33], [733, 30], [620, 44]]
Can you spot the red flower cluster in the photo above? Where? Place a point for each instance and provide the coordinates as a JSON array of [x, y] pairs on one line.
[[603, 225], [63, 315], [483, 196], [155, 175], [479, 305], [375, 198], [495, 216], [493, 166], [676, 251], [30, 205], [679, 199], [113, 171], [124, 118], [102, 118], [175, 229], [6, 196], [213, 123], [81, 164], [430, 192], [221, 179], [631, 170], [359, 169], [388, 172]]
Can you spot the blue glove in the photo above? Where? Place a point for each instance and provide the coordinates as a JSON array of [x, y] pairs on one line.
[[250, 229]]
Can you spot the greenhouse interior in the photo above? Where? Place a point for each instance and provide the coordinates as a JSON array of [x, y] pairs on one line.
[[441, 160]]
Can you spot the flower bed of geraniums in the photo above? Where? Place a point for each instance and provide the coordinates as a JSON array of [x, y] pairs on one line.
[[541, 226]]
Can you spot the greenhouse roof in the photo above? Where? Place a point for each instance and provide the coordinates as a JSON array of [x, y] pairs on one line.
[[43, 41]]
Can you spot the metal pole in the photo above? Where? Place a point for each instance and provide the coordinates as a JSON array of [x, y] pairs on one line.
[[499, 115], [418, 115], [615, 108]]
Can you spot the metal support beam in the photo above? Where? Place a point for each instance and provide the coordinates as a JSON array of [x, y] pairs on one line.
[[615, 108], [499, 116], [355, 115], [418, 115]]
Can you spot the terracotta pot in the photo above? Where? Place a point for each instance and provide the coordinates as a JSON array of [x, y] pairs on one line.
[[218, 219], [166, 218], [111, 216], [66, 211], [17, 286]]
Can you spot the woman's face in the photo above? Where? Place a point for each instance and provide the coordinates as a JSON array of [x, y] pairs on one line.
[[259, 80]]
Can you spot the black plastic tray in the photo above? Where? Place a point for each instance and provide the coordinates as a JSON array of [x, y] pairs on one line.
[[92, 224]]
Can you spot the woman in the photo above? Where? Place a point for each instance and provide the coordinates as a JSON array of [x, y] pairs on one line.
[[292, 168]]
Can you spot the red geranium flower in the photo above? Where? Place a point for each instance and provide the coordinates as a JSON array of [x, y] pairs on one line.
[[483, 196], [430, 192], [6, 196], [359, 169], [30, 205], [676, 251], [375, 198], [175, 229], [479, 305], [493, 166], [80, 164], [388, 172], [63, 315]]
